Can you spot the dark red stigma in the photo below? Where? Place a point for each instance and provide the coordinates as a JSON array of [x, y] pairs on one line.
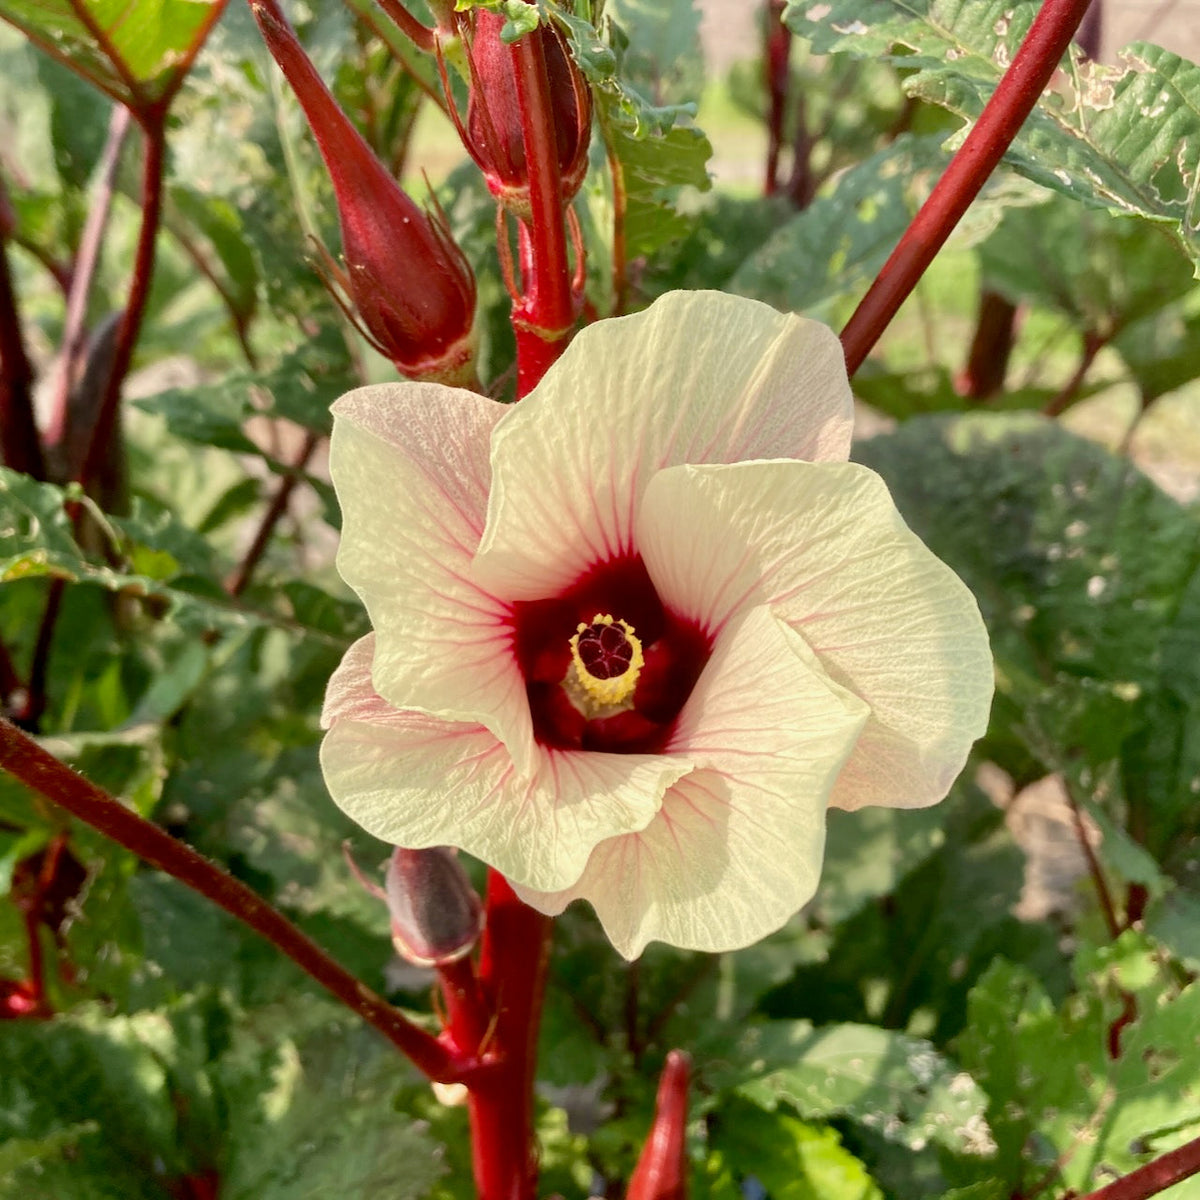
[[604, 650]]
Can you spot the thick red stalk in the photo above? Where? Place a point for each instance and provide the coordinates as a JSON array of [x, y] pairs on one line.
[[515, 953], [1164, 1172], [512, 973], [23, 758], [543, 319], [1002, 117]]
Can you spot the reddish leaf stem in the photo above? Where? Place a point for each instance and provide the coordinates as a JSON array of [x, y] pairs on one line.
[[620, 203], [1103, 895], [1093, 343], [184, 64], [1002, 117], [135, 306], [20, 445], [83, 14], [777, 45], [420, 35], [23, 758], [87, 258], [30, 715], [546, 313], [991, 347], [1164, 1172], [240, 577], [512, 973]]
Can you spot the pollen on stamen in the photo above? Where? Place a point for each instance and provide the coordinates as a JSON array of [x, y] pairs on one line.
[[606, 659]]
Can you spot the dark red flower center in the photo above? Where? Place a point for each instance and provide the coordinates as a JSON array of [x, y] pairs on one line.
[[607, 666]]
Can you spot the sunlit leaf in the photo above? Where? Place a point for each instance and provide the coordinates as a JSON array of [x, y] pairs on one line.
[[1125, 138], [132, 49]]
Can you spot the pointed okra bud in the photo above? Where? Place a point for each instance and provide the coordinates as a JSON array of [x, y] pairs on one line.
[[410, 283]]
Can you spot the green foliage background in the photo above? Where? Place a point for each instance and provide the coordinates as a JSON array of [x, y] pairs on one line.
[[914, 1032]]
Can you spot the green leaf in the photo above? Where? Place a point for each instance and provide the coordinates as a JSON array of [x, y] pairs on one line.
[[36, 540], [1060, 541], [1052, 1076], [837, 244], [22, 1152], [301, 389], [1126, 139], [1102, 272], [656, 148], [791, 1159], [1162, 351], [897, 1085], [211, 230], [288, 1103], [867, 854], [129, 48], [324, 1123]]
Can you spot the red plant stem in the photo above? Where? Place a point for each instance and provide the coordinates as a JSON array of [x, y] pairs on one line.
[[158, 109], [512, 973], [104, 43], [547, 311], [776, 53], [420, 35], [661, 1172], [23, 758], [620, 202], [1002, 117], [240, 577], [20, 446], [468, 1018], [991, 347], [1093, 343], [10, 681], [1164, 1172], [105, 427], [37, 967], [35, 698], [1103, 895], [83, 272], [515, 952]]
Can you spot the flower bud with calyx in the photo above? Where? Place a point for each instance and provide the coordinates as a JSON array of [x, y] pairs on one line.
[[437, 915], [410, 284], [493, 133]]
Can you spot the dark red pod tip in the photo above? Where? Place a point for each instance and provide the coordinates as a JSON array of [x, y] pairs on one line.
[[410, 283], [494, 134], [437, 915]]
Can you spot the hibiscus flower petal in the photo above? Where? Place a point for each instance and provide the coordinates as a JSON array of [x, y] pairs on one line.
[[415, 780], [823, 545], [410, 463], [736, 848], [698, 377]]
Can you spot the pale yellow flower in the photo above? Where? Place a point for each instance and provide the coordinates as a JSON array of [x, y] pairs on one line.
[[635, 634]]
